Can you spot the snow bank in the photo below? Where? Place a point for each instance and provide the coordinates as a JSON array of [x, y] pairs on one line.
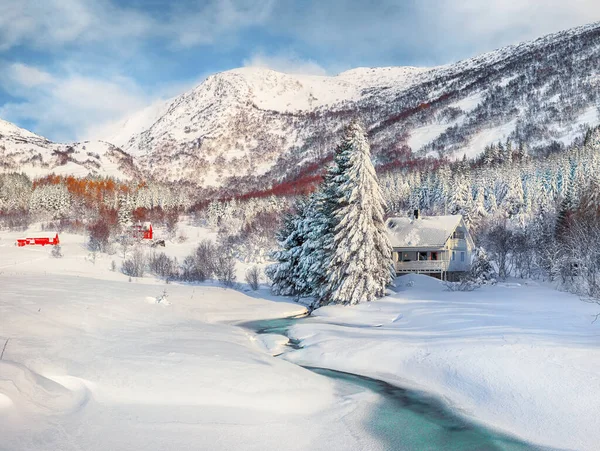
[[274, 343], [30, 390], [523, 359]]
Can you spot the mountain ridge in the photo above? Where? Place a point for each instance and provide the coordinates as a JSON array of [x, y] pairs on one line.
[[253, 127]]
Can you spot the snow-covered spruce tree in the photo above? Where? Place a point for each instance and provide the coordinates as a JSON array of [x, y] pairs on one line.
[[285, 273], [125, 217], [360, 266], [319, 231], [482, 271]]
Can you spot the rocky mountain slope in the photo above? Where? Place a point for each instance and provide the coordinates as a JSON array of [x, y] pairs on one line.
[[23, 151], [250, 128], [255, 126]]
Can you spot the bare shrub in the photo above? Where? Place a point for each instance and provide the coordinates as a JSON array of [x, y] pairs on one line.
[[188, 269], [99, 236], [498, 241], [15, 220], [171, 219], [464, 284], [225, 269], [136, 265], [161, 265], [205, 259], [253, 277], [56, 251], [125, 242]]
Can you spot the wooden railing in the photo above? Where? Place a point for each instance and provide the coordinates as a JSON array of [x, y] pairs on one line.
[[423, 266]]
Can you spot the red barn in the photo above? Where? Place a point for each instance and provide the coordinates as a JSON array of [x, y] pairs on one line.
[[142, 231], [39, 241]]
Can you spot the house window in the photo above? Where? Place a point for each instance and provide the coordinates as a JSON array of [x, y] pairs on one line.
[[406, 257], [422, 256], [462, 256], [434, 256], [459, 235], [453, 255]]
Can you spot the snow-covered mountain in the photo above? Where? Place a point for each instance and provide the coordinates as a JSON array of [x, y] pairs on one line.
[[24, 151], [249, 128], [244, 123]]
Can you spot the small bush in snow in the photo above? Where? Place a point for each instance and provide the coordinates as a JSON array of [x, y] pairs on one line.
[[161, 265], [99, 236], [15, 219], [482, 270], [225, 270], [136, 265], [465, 284], [188, 269], [499, 242], [126, 242], [163, 298], [113, 266], [205, 260], [253, 277], [56, 252]]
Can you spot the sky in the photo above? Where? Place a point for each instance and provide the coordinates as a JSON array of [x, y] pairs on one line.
[[70, 67]]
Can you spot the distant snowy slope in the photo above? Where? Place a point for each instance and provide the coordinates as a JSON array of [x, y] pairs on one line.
[[11, 131], [24, 151], [120, 133]]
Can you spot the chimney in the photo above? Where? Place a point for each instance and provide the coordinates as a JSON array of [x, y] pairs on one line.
[[416, 214]]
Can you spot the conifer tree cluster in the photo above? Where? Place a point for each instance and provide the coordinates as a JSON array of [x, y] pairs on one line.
[[335, 247]]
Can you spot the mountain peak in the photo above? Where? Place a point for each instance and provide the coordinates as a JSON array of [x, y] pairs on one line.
[[252, 127]]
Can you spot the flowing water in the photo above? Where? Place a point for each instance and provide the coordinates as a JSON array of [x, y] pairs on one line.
[[407, 419]]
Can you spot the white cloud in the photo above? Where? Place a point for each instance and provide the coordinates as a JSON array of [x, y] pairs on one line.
[[66, 106], [54, 24], [28, 76], [210, 20], [427, 31], [345, 28], [51, 24], [289, 63], [492, 24]]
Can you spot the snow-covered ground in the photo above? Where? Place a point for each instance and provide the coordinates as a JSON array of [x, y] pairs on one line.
[[94, 362], [522, 358]]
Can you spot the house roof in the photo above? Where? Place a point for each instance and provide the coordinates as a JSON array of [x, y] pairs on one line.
[[427, 231]]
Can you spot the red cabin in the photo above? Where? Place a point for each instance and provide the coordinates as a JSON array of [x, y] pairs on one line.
[[143, 232], [38, 241]]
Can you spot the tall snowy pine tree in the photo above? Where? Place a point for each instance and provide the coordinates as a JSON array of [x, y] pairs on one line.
[[320, 225], [285, 274], [360, 264]]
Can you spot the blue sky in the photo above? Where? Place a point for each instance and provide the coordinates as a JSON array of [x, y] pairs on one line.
[[69, 67]]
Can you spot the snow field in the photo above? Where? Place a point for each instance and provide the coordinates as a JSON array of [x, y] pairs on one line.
[[91, 364], [522, 359]]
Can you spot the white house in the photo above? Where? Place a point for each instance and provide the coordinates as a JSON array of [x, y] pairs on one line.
[[439, 246]]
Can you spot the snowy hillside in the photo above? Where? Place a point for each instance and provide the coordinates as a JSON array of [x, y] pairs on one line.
[[241, 121], [23, 151], [252, 121], [249, 128]]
